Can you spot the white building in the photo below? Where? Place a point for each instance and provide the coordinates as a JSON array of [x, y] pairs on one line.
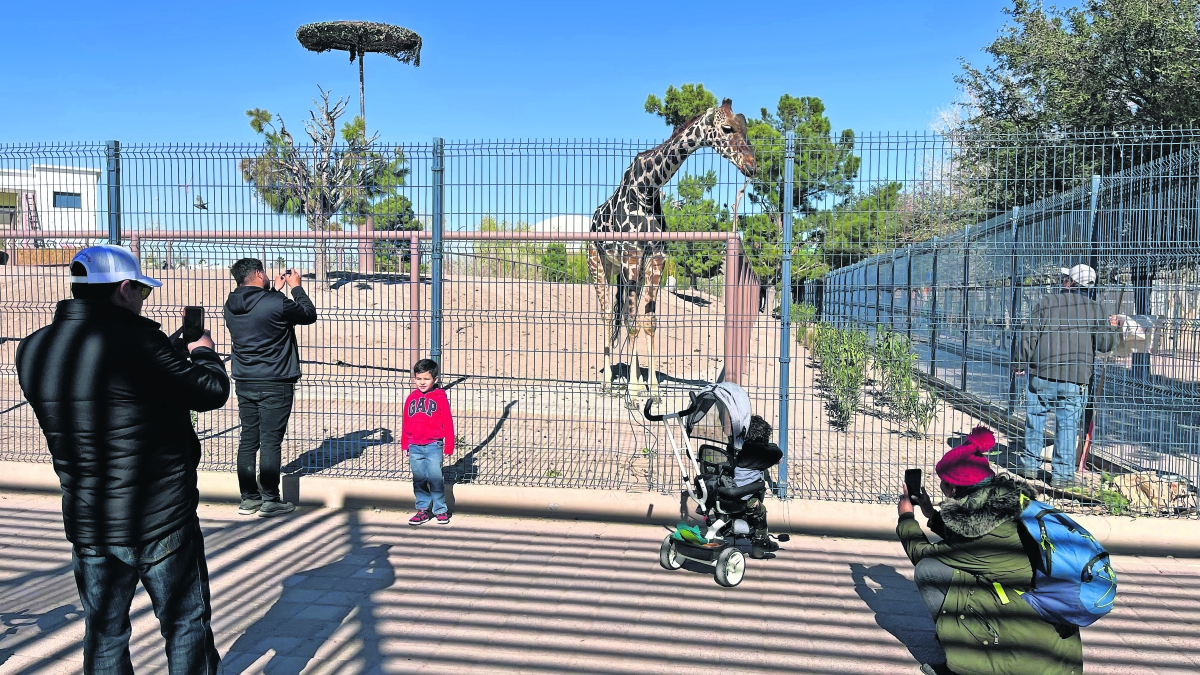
[[43, 200], [574, 224]]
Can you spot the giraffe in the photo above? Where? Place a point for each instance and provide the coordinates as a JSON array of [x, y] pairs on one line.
[[636, 206]]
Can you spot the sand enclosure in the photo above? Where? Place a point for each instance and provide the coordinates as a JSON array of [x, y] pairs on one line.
[[523, 368]]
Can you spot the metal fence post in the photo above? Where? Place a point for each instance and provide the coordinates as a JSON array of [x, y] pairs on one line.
[[785, 332], [1094, 222], [933, 319], [414, 300], [112, 150], [1014, 332], [435, 268], [966, 306], [908, 302]]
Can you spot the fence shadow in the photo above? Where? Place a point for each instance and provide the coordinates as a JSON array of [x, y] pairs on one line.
[[334, 451], [313, 605], [898, 609], [465, 470]]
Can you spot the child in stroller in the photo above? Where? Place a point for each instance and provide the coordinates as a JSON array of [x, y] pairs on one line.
[[723, 456], [750, 469]]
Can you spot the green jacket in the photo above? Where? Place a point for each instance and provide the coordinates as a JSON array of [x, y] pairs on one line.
[[985, 627]]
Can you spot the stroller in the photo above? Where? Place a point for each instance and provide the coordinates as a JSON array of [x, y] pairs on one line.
[[709, 455]]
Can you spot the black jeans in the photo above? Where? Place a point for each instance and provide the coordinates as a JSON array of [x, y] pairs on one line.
[[264, 409], [174, 573]]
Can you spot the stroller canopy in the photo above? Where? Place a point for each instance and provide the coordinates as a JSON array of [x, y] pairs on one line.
[[733, 406]]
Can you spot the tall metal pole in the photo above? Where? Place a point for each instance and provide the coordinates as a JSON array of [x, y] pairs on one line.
[[112, 151], [785, 300], [439, 216], [362, 93]]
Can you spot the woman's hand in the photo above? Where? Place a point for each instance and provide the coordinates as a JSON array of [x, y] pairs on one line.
[[904, 505], [926, 505]]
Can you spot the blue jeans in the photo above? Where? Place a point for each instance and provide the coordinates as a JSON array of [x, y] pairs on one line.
[[1066, 400], [173, 572], [429, 487]]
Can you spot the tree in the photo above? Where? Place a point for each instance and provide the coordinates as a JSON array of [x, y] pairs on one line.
[[499, 258], [681, 105], [391, 213], [825, 166], [1121, 66], [864, 225], [690, 211], [324, 179], [823, 175]]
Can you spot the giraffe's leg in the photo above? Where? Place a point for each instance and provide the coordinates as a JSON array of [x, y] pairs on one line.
[[597, 268], [655, 262], [631, 267]]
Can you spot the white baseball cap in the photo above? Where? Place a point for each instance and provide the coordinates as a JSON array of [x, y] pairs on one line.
[[1081, 274], [108, 264]]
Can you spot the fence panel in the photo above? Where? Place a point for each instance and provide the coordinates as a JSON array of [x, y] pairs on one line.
[[945, 242]]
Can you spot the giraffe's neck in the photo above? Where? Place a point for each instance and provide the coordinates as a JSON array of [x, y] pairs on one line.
[[660, 163]]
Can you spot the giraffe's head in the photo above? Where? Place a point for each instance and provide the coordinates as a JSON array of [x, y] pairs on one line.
[[726, 133]]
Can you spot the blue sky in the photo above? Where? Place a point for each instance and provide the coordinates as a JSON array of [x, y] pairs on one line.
[[186, 72]]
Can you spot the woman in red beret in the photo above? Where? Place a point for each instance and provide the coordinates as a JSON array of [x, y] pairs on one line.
[[972, 580]]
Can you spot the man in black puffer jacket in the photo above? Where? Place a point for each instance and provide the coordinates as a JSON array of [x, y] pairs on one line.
[[266, 366], [112, 396]]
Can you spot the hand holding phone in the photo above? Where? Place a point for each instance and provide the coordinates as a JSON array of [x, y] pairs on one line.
[[912, 483], [193, 323]]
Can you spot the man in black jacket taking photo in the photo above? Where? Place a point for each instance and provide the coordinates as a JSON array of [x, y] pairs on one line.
[[112, 395], [266, 366]]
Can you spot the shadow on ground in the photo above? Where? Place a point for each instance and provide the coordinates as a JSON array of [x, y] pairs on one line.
[[334, 451], [898, 609]]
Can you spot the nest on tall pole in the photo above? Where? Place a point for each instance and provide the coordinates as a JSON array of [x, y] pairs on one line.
[[359, 37]]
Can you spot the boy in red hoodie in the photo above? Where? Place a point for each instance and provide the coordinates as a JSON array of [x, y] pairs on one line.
[[427, 435]]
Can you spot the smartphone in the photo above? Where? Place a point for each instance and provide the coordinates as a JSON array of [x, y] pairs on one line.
[[193, 323], [912, 483]]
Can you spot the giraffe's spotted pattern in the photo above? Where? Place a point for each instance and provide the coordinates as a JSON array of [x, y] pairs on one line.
[[636, 206]]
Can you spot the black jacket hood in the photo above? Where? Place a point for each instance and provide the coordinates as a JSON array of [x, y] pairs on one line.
[[244, 299]]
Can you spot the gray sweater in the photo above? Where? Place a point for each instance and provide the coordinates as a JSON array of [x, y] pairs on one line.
[[1065, 331]]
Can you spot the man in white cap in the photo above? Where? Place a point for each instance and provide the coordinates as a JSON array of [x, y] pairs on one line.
[[1059, 344], [112, 395]]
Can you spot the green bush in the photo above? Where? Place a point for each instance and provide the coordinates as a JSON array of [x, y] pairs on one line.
[[804, 318], [843, 355], [913, 404], [558, 266]]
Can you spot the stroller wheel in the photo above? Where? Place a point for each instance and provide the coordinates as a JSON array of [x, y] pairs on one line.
[[667, 556], [730, 567]]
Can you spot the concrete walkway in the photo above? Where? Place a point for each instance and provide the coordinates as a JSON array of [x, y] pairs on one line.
[[345, 591]]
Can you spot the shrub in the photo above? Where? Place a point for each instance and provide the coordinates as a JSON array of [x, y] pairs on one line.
[[554, 263], [558, 266], [843, 356], [913, 404], [804, 319]]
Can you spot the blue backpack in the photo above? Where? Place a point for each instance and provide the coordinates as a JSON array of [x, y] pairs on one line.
[[1073, 582]]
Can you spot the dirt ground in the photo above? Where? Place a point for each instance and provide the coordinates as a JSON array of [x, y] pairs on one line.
[[522, 362]]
